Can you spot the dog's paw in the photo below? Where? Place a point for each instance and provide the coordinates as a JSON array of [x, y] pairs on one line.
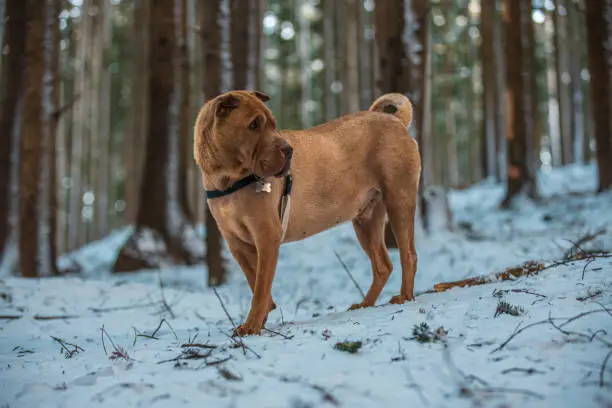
[[246, 330], [401, 299], [356, 306]]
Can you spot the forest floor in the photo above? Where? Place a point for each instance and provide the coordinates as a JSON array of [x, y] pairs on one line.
[[123, 361]]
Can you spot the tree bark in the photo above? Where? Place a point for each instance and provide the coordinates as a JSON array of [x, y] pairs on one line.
[[518, 98], [331, 100], [135, 135], [489, 68], [11, 79], [352, 54], [562, 43], [598, 35], [211, 43], [394, 67], [239, 42], [185, 124], [34, 243]]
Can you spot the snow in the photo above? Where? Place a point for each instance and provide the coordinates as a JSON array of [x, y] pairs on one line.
[[313, 291]]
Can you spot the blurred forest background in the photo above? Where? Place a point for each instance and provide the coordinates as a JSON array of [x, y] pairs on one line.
[[98, 100]]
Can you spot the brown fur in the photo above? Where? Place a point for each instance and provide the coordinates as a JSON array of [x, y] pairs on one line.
[[362, 167]]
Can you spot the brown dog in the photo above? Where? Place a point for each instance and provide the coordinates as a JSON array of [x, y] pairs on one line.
[[362, 167]]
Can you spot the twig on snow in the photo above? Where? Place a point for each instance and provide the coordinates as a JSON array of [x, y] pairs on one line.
[[518, 330], [603, 369], [68, 353], [581, 241], [528, 371], [118, 352], [116, 308], [229, 317], [349, 273]]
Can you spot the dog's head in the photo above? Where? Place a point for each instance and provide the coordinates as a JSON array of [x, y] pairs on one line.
[[235, 133]]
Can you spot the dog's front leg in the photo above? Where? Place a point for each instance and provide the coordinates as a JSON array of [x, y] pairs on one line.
[[267, 257]]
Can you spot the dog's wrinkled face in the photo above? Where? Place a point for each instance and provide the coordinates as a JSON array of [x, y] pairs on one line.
[[239, 131]]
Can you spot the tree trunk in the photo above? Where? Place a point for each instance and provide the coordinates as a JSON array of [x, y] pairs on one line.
[[11, 79], [489, 68], [331, 101], [211, 43], [239, 43], [421, 100], [576, 36], [34, 241], [352, 54], [598, 38], [562, 43], [256, 44], [135, 135], [185, 125], [518, 97], [160, 221], [304, 49]]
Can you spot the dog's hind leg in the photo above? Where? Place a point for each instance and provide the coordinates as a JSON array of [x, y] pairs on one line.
[[370, 232], [401, 206]]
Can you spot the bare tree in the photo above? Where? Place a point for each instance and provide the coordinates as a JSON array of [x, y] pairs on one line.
[[13, 63], [598, 15], [211, 43]]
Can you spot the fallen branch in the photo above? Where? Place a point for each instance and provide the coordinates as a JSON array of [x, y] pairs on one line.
[[527, 269]]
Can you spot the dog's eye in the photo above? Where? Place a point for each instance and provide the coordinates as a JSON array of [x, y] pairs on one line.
[[254, 125]]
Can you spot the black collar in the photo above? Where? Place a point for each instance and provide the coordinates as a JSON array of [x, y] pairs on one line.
[[239, 185], [244, 182]]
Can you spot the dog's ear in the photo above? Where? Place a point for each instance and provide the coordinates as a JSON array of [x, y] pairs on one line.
[[226, 104], [262, 95]]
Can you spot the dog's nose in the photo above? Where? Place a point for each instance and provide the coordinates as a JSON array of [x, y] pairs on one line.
[[287, 151]]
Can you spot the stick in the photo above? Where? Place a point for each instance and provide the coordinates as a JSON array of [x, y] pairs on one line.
[[279, 334], [603, 368], [115, 308], [64, 344], [530, 268], [224, 308], [349, 273]]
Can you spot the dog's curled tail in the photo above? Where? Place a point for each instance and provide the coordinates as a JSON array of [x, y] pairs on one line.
[[396, 104]]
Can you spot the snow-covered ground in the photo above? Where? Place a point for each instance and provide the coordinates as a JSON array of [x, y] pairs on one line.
[[296, 364]]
